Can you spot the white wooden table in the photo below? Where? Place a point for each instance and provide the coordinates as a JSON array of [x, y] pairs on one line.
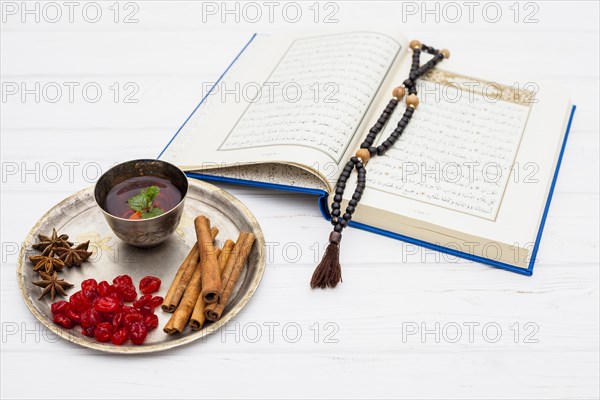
[[390, 330]]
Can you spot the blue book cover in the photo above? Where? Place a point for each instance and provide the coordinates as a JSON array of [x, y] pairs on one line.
[[322, 196]]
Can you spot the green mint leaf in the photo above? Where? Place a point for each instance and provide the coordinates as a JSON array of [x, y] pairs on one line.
[[152, 192], [153, 212], [139, 202], [142, 202]]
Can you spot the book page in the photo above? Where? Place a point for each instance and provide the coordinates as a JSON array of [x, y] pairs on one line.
[[311, 93], [458, 150], [473, 168], [329, 83], [272, 173]]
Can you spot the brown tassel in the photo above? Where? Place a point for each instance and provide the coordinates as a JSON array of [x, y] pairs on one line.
[[329, 271]]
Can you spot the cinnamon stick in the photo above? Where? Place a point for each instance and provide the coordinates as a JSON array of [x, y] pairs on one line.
[[211, 278], [180, 317], [231, 274], [225, 253], [198, 318], [183, 276]]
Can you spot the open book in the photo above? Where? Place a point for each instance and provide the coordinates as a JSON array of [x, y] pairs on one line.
[[472, 175]]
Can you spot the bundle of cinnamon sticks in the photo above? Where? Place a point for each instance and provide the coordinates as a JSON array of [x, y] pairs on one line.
[[205, 281]]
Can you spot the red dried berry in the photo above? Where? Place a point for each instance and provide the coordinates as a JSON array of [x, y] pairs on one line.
[[89, 284], [156, 301], [118, 319], [104, 288], [132, 317], [88, 331], [89, 287], [145, 310], [127, 309], [123, 279], [127, 292], [120, 336], [60, 307], [79, 302], [142, 301], [74, 316], [149, 284], [114, 292], [90, 317], [63, 321], [138, 333], [103, 332], [151, 321], [107, 304], [90, 293]]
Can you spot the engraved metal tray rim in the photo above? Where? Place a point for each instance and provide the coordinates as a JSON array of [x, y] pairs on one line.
[[205, 331]]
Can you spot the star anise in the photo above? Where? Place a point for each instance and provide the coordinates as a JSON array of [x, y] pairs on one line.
[[74, 256], [47, 244], [47, 264], [52, 285]]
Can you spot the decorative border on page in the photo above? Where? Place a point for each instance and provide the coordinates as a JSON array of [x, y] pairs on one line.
[[488, 89]]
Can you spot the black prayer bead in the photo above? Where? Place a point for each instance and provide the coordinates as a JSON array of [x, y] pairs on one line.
[[338, 228], [347, 216], [352, 203], [408, 83], [386, 144], [341, 184], [335, 213], [350, 209], [339, 191], [356, 196], [365, 145], [372, 151], [381, 150], [343, 223], [335, 205], [337, 198]]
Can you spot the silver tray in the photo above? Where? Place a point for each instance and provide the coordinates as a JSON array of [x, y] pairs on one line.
[[80, 218]]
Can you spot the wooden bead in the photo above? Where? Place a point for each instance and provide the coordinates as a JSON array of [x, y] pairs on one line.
[[364, 155], [412, 101], [398, 92], [415, 44], [445, 53]]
